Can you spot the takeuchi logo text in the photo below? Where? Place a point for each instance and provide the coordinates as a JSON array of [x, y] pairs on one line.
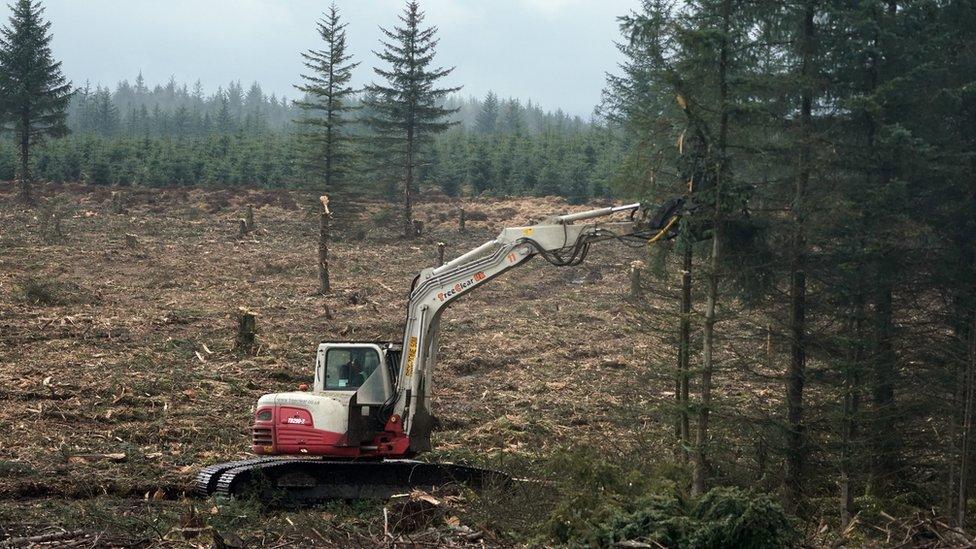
[[461, 286]]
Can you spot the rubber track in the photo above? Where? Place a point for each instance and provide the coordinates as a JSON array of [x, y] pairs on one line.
[[206, 481], [341, 479], [225, 486]]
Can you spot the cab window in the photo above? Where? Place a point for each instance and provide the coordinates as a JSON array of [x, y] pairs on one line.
[[347, 369]]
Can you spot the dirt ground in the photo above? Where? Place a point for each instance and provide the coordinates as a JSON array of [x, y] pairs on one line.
[[118, 380]]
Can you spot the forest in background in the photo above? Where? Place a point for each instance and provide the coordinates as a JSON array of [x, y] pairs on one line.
[[176, 134]]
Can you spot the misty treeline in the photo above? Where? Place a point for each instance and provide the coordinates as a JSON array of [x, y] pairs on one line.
[[176, 134], [182, 110], [824, 279], [384, 139]]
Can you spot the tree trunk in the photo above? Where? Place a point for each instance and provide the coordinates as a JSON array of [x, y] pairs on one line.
[[25, 175], [965, 447], [955, 417], [684, 355], [701, 441], [325, 233], [249, 217], [964, 391], [883, 462], [408, 229], [852, 404], [848, 432], [967, 430], [882, 442], [796, 374], [636, 288], [720, 168], [328, 148], [246, 331]]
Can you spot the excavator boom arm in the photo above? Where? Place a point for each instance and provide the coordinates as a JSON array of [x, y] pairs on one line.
[[561, 240]]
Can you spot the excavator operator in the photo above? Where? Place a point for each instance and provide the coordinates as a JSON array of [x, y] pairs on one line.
[[352, 371]]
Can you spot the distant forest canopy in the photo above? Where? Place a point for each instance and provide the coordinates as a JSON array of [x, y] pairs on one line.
[[182, 110], [177, 134]]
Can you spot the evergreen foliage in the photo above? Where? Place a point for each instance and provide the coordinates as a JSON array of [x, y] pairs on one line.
[[487, 121], [177, 110], [328, 102], [844, 165], [34, 94], [724, 517], [406, 109], [219, 160]]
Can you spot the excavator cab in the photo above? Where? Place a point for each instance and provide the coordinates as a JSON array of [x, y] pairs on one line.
[[359, 367]]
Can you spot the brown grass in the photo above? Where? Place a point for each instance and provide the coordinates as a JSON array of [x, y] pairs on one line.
[[130, 393]]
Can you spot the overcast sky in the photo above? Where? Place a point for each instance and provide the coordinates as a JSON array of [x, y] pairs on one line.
[[554, 52]]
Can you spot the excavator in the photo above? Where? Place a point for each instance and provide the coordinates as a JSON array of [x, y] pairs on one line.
[[355, 434]]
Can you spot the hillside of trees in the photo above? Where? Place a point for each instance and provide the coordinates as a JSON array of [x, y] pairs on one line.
[[175, 134], [181, 110]]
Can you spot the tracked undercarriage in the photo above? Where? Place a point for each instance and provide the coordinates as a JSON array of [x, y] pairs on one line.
[[304, 481]]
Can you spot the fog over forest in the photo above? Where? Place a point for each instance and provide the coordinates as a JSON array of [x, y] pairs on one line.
[[554, 52]]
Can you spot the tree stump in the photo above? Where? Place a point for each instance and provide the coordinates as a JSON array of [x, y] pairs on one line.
[[118, 203], [418, 227], [25, 195], [325, 221], [247, 324], [440, 254], [131, 241], [249, 218], [461, 221], [50, 217], [636, 290]]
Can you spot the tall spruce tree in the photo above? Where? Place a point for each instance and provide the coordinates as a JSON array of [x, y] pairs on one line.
[[328, 98], [951, 211], [678, 97], [407, 110], [511, 117], [806, 71], [34, 95], [487, 120], [641, 101]]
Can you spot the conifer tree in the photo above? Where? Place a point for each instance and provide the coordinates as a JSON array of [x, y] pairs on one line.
[[407, 110], [796, 451], [487, 120], [225, 119], [480, 168], [327, 101], [512, 117], [34, 94]]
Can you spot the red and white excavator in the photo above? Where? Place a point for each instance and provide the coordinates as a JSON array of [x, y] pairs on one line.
[[368, 413]]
